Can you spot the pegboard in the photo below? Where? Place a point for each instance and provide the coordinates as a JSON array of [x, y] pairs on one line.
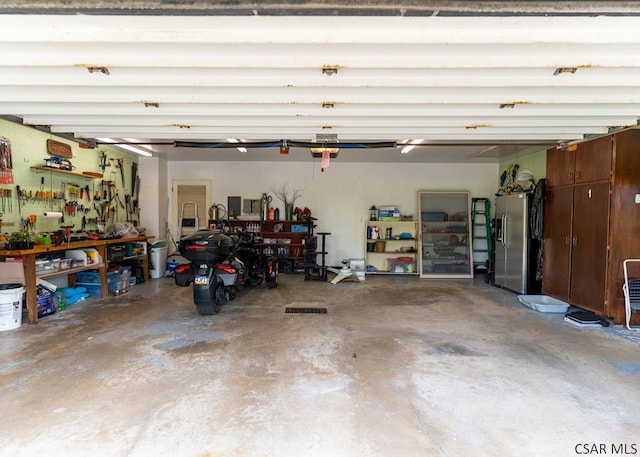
[[49, 190]]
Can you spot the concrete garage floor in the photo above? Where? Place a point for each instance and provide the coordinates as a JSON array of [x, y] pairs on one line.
[[398, 367]]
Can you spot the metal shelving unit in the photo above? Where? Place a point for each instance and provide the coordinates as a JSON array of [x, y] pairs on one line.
[[445, 235]]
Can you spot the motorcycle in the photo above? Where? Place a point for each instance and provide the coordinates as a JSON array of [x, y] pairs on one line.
[[221, 264], [258, 269]]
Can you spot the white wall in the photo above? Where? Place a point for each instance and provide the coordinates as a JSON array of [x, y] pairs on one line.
[[154, 195], [341, 196]]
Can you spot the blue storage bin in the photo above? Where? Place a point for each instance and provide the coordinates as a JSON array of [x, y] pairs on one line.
[[93, 289], [94, 276], [433, 216]]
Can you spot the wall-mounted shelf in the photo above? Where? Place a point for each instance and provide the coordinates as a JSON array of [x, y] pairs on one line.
[[92, 175]]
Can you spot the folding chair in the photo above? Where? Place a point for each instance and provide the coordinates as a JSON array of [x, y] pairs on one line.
[[631, 289]]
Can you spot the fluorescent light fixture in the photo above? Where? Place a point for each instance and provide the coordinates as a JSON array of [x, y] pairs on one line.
[[412, 144], [128, 147]]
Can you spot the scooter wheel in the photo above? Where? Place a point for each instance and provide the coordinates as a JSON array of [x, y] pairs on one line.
[[207, 310], [220, 296]]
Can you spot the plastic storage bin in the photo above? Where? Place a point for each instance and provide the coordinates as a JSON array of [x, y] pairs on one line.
[[94, 276], [120, 284], [543, 303], [433, 216], [93, 289], [400, 265]]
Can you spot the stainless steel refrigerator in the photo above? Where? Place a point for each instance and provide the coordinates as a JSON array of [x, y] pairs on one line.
[[513, 267]]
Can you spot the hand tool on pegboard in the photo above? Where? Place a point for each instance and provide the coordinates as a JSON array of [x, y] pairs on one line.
[[103, 160], [121, 167], [134, 177], [30, 224], [41, 194], [7, 197], [127, 202], [137, 199], [113, 190], [19, 196], [67, 232]]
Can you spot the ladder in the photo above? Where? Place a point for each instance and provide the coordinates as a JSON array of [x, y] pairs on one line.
[[191, 223], [481, 233]]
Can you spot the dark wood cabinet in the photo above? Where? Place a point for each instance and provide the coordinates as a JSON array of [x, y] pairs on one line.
[[581, 163], [593, 160], [589, 246], [557, 241], [560, 166], [592, 221]]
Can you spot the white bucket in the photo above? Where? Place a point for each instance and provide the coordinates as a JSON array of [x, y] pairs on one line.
[[10, 306]]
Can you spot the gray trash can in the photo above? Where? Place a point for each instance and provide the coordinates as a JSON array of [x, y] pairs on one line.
[[158, 259]]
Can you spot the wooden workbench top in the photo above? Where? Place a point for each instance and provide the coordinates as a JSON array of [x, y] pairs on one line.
[[45, 248]]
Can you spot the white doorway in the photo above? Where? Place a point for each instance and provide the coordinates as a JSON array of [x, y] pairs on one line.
[[193, 198]]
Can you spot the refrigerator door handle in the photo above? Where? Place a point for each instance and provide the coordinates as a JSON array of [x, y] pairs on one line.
[[505, 231]]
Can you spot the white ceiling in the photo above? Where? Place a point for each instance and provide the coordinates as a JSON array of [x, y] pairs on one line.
[[474, 88]]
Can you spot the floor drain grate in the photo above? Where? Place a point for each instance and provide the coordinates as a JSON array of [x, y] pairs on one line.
[[305, 310]]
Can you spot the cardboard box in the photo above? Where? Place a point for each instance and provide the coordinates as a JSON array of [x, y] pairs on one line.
[[388, 214]]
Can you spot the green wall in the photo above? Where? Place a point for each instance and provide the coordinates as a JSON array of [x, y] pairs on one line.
[[29, 149], [535, 162]]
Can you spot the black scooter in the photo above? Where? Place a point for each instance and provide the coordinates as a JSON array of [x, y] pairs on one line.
[[220, 264]]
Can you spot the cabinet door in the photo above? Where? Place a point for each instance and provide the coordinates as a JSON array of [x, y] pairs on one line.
[[593, 160], [560, 167], [557, 242], [589, 245]]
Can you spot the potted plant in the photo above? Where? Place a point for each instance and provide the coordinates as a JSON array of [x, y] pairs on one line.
[[19, 240], [287, 199]]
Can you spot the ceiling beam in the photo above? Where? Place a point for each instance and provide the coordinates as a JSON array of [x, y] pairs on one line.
[[309, 8], [312, 77], [392, 119], [312, 30], [87, 108]]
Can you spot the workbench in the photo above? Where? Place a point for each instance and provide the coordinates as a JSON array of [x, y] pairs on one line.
[[29, 256]]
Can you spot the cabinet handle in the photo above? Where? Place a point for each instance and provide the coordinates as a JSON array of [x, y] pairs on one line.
[[570, 176], [566, 240], [578, 175], [575, 240], [505, 231]]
